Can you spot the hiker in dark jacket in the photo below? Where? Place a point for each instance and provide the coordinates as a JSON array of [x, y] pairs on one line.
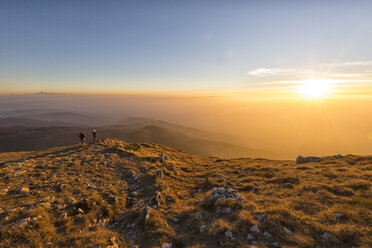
[[94, 135], [82, 137]]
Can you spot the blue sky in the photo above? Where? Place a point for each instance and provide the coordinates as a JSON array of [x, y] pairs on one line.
[[121, 46]]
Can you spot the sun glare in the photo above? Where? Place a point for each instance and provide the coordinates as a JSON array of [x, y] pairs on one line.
[[315, 88]]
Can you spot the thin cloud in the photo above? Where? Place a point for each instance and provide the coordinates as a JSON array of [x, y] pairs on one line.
[[348, 64], [282, 71], [265, 72]]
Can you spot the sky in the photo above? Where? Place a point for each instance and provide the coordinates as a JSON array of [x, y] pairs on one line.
[[183, 46], [287, 76]]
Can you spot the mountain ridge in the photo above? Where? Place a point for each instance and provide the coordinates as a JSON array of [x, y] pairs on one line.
[[191, 140]]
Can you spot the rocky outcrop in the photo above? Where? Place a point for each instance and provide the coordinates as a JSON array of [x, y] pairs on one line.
[[147, 214], [224, 193], [303, 160], [159, 173]]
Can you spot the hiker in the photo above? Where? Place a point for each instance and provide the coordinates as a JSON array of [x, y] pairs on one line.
[[94, 135], [163, 159], [82, 137]]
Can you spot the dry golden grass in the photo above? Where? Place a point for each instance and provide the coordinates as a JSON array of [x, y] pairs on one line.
[[83, 195]]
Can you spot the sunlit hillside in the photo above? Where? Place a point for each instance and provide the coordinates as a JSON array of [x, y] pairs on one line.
[[117, 194], [186, 124]]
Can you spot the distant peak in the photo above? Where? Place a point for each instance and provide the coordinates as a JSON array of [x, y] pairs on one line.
[[49, 93]]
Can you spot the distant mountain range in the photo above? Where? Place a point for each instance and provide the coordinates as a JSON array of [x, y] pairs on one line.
[[28, 122], [60, 117], [50, 129]]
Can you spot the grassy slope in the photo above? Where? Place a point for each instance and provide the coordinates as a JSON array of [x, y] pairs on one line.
[[98, 179]]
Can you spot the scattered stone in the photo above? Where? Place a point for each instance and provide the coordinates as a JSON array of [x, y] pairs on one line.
[[147, 214], [303, 160], [227, 210], [250, 237], [166, 245], [255, 183], [155, 200], [132, 234], [169, 199], [267, 235], [202, 228], [287, 231], [130, 226], [159, 173], [133, 194], [326, 235], [338, 215], [71, 200], [221, 190], [199, 215], [79, 211], [135, 187], [60, 187], [259, 217], [102, 222], [275, 244], [163, 159], [26, 221], [175, 220], [230, 235], [255, 229], [288, 185], [131, 201]]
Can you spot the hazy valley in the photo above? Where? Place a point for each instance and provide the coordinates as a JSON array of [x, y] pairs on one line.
[[19, 132]]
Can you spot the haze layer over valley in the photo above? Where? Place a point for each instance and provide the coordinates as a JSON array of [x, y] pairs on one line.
[[278, 127]]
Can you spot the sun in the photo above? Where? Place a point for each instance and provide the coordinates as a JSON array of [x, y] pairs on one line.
[[315, 88]]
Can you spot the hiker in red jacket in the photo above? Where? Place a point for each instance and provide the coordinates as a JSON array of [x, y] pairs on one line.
[[82, 137]]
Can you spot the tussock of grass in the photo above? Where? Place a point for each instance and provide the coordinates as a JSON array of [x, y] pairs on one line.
[[359, 184], [364, 202], [218, 227]]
